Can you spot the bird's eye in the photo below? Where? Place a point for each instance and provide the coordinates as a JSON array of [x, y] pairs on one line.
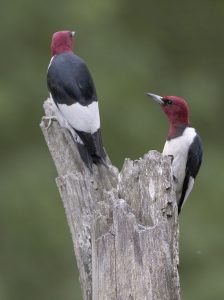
[[169, 102]]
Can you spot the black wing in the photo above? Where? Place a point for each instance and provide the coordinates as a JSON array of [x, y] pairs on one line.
[[69, 80], [192, 167], [94, 145]]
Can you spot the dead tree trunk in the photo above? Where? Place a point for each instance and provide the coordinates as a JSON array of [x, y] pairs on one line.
[[124, 225]]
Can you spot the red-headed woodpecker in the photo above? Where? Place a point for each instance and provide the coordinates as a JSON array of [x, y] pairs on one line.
[[183, 144], [72, 89]]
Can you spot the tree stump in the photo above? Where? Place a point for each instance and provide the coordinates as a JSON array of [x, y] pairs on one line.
[[124, 225]]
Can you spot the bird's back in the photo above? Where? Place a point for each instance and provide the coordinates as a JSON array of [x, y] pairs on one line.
[[69, 80]]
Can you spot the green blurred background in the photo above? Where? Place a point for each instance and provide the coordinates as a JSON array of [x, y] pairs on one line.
[[131, 47]]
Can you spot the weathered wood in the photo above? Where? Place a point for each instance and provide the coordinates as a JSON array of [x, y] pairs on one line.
[[124, 225]]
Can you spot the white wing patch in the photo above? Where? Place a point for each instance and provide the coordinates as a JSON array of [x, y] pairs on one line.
[[82, 118], [178, 148], [64, 123]]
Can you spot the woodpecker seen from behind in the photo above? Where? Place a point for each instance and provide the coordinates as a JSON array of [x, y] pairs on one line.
[[183, 144], [72, 90]]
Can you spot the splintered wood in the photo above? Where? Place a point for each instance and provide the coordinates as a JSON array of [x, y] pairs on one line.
[[124, 226]]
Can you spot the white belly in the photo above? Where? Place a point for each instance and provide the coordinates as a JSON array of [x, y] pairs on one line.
[[178, 148]]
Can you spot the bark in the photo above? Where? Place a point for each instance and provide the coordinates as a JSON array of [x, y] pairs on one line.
[[124, 226]]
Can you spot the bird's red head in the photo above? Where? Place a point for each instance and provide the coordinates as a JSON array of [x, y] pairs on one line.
[[62, 41], [175, 108]]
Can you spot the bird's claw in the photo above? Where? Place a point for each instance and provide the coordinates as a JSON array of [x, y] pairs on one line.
[[175, 179], [172, 158], [50, 119]]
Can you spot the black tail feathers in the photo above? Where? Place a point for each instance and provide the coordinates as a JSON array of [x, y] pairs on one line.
[[91, 151]]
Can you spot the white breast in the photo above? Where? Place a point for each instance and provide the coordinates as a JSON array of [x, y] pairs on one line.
[[178, 148], [82, 118]]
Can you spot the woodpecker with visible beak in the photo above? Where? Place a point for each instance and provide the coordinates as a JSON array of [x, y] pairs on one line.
[[72, 90], [183, 144]]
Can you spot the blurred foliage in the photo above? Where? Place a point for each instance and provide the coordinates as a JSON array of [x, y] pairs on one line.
[[131, 47]]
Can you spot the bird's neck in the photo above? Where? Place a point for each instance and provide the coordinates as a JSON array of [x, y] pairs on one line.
[[176, 130], [60, 49]]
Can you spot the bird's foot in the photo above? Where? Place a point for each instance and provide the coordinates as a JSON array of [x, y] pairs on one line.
[[172, 158], [175, 179], [50, 119]]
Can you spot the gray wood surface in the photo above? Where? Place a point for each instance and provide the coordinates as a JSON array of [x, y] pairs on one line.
[[124, 226]]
